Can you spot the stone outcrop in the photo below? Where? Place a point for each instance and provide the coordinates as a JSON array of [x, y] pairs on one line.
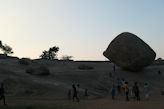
[[130, 52]]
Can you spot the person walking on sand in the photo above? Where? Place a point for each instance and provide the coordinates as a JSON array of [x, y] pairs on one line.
[[123, 85], [69, 94], [113, 92], [126, 89], [147, 91], [118, 86], [78, 91], [136, 91], [75, 93], [122, 82], [86, 93], [2, 94], [114, 68]]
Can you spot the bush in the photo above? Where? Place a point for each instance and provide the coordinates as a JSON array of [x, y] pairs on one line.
[[24, 61], [41, 71], [85, 67]]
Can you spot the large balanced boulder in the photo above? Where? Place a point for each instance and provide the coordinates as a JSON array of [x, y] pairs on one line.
[[130, 52]]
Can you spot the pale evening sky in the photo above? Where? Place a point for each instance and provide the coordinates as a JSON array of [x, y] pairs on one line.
[[80, 28]]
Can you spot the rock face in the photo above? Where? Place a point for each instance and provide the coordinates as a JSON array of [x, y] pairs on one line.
[[130, 52]]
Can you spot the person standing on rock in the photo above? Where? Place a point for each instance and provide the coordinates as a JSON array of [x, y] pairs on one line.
[[75, 96], [2, 94]]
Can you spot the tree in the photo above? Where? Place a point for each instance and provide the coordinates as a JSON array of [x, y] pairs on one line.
[[6, 49], [159, 59], [45, 55], [50, 54], [65, 57], [0, 43]]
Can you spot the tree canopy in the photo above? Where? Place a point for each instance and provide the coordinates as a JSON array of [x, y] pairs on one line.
[[50, 54], [6, 48], [66, 57]]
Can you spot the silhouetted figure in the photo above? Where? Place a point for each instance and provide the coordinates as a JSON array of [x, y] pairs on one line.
[[131, 92], [123, 84], [86, 93], [114, 68], [126, 89], [147, 91], [136, 91], [118, 85], [159, 72], [69, 94], [75, 96], [113, 92], [110, 75], [2, 94], [78, 91]]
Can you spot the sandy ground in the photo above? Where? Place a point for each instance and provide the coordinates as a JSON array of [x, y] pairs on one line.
[[105, 103], [25, 89]]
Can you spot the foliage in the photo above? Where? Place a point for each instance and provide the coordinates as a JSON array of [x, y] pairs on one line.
[[50, 54], [66, 57], [159, 59], [0, 43], [6, 49], [45, 55]]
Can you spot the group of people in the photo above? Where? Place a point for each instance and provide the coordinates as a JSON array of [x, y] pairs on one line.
[[75, 93], [134, 91]]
